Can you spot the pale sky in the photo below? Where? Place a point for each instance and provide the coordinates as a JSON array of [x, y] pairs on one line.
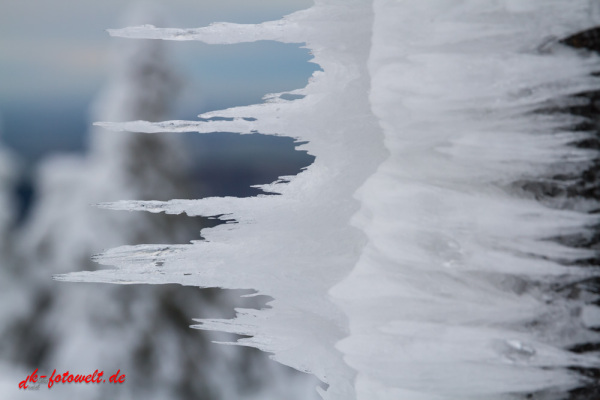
[[59, 49], [55, 57]]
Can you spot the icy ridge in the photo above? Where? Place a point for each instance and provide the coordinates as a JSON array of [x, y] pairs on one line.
[[296, 246], [422, 119], [451, 296]]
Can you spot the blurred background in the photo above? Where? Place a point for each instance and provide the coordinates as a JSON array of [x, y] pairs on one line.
[[60, 71]]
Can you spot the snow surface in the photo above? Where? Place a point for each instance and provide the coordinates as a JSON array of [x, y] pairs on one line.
[[402, 263]]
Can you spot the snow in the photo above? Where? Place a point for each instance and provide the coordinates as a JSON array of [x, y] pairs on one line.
[[142, 330], [404, 263]]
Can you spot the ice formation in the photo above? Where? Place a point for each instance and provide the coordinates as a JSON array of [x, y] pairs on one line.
[[142, 330], [405, 262]]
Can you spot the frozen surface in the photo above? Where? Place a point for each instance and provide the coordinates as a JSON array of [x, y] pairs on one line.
[[141, 330], [402, 263]]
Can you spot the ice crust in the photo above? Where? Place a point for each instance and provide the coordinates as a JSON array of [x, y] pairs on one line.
[[401, 263], [142, 330]]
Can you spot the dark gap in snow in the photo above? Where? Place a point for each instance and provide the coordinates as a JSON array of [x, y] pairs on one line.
[[578, 191], [174, 228], [23, 341], [588, 40], [228, 164], [289, 96], [24, 194], [215, 119]]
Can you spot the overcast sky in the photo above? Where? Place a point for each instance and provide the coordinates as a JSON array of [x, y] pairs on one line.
[[55, 56], [58, 49]]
